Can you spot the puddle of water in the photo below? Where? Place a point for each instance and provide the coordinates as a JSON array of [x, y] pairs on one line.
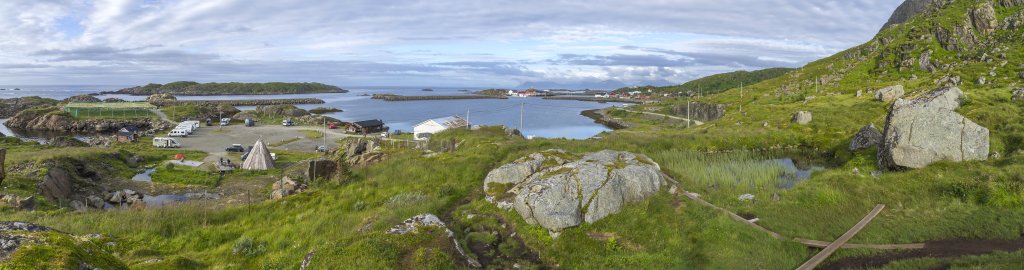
[[161, 200], [144, 176], [792, 173], [189, 163]]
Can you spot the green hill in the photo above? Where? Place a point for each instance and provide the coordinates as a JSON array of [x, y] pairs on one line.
[[970, 214], [718, 82], [234, 88]]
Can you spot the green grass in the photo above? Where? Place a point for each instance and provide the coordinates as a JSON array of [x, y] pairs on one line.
[[313, 134], [739, 171], [185, 175]]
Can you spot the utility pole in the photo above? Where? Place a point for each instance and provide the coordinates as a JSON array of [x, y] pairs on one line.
[[741, 89], [687, 112], [468, 124], [522, 107]]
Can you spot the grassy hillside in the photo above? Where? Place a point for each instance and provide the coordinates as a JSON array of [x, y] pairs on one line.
[[345, 223], [717, 83], [233, 88]]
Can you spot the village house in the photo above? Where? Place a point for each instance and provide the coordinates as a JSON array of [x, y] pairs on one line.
[[128, 134], [424, 130], [367, 127]]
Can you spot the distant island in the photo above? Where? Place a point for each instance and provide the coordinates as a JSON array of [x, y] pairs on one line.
[[186, 88]]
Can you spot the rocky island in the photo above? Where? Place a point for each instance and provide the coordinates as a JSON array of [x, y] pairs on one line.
[[187, 88]]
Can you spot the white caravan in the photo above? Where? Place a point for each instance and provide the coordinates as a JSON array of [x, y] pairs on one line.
[[161, 142]]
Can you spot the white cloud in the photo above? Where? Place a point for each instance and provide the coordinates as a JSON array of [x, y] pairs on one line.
[[628, 41]]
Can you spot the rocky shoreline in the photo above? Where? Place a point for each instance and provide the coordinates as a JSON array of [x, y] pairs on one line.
[[45, 120], [390, 97], [251, 102], [601, 117]]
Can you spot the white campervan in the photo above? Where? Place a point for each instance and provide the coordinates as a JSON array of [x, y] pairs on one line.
[[178, 132], [161, 142]]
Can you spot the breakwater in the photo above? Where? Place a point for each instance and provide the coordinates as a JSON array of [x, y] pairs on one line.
[[253, 102], [390, 97], [594, 99]]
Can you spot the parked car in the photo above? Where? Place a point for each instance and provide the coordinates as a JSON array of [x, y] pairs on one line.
[[321, 148], [250, 122], [332, 127], [286, 122], [225, 121], [235, 148]]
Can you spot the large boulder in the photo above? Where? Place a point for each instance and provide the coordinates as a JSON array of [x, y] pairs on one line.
[[1018, 94], [700, 111], [984, 18], [57, 185], [158, 98], [890, 93], [557, 191], [927, 129], [30, 246], [802, 118], [867, 137]]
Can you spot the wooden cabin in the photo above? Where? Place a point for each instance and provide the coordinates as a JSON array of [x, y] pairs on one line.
[[128, 134]]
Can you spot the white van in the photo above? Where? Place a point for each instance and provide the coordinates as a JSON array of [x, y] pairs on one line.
[[161, 142], [178, 133]]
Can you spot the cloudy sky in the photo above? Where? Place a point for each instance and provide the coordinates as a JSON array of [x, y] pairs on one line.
[[461, 43]]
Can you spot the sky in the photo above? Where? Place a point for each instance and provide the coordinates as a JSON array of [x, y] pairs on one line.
[[413, 43]]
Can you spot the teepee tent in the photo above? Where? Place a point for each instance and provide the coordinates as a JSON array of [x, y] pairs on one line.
[[259, 158]]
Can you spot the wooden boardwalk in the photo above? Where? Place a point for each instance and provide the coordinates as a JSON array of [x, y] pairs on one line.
[[831, 248], [806, 242]]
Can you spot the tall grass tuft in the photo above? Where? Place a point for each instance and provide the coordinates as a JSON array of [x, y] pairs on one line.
[[741, 170]]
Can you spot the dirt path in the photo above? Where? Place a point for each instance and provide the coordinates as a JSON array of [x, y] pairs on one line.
[[935, 249], [931, 249], [695, 122]]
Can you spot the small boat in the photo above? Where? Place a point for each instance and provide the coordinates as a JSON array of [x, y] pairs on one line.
[[427, 90], [17, 89], [3, 89]]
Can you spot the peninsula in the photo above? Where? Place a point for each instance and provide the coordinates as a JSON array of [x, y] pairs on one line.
[[187, 88]]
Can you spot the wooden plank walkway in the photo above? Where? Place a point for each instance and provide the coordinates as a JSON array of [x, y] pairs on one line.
[[806, 242], [835, 245]]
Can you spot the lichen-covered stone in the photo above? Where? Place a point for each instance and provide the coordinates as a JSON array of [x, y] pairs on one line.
[[925, 130]]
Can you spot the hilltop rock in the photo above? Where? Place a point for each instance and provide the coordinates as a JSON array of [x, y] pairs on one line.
[[282, 110], [802, 118], [112, 100], [558, 191], [984, 18], [867, 137], [12, 106], [907, 10], [82, 98], [925, 130], [890, 93]]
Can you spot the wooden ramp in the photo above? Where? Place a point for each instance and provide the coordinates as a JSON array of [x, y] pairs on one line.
[[835, 245]]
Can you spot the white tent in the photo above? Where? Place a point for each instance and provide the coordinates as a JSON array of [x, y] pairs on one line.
[[259, 158], [422, 131]]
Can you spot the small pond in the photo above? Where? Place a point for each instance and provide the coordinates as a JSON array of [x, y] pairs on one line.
[[145, 176], [794, 172]]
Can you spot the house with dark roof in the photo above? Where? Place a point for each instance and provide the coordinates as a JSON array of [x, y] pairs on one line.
[[128, 134], [367, 127]]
